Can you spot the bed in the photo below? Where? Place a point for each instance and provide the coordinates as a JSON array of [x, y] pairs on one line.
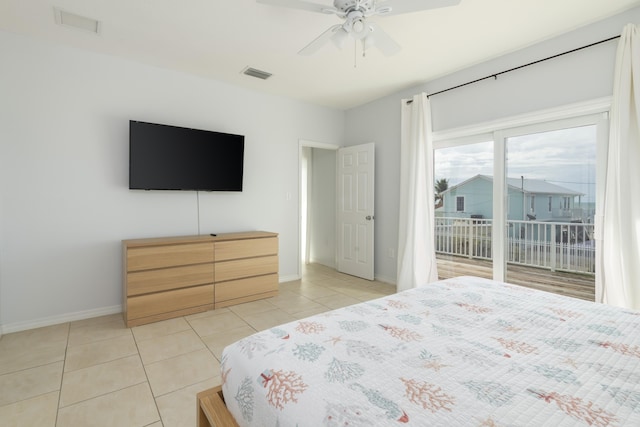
[[463, 351]]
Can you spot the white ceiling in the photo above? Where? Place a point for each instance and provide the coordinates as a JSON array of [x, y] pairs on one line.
[[217, 39]]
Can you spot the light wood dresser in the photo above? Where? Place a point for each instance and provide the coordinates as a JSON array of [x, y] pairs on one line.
[[175, 276]]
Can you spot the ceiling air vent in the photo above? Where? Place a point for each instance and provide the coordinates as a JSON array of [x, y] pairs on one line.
[[72, 20], [253, 72]]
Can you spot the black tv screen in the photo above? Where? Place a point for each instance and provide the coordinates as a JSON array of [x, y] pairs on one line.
[[163, 157]]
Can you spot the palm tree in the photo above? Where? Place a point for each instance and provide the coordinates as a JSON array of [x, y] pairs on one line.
[[440, 187]]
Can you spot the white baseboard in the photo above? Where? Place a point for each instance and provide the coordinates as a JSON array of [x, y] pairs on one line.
[[326, 263], [290, 278], [81, 315], [62, 318], [386, 280]]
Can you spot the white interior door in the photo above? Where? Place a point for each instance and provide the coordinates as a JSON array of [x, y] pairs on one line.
[[355, 210]]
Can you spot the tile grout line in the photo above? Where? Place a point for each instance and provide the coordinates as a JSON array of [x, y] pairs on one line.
[[144, 369], [200, 338], [102, 363], [101, 395], [64, 362], [325, 281]]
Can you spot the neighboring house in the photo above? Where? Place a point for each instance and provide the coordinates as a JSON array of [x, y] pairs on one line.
[[528, 199]]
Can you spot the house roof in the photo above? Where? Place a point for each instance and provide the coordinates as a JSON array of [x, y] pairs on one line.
[[532, 186]]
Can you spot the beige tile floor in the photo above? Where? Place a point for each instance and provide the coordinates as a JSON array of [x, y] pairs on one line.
[[97, 372]]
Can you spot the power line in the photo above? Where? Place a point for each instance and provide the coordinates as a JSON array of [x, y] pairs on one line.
[[571, 182]]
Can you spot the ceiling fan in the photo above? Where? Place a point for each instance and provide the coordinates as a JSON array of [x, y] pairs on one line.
[[355, 14]]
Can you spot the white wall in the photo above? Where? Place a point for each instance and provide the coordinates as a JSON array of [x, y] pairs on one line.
[[64, 197], [1, 210], [580, 76], [323, 207]]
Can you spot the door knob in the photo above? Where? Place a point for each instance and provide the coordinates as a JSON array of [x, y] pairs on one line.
[[369, 217]]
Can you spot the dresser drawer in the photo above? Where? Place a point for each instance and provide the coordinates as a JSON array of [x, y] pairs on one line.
[[150, 257], [246, 248], [144, 282], [165, 302], [239, 268], [234, 289]]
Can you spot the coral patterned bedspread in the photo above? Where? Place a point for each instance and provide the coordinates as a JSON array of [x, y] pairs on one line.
[[459, 352]]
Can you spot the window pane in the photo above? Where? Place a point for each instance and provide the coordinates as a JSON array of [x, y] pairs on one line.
[[558, 165], [463, 207]]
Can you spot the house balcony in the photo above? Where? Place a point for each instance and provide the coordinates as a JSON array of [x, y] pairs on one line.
[[569, 214], [574, 285]]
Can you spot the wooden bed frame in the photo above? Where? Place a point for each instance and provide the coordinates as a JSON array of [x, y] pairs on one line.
[[212, 411]]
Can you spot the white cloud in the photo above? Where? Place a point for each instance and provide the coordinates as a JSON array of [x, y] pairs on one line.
[[564, 157]]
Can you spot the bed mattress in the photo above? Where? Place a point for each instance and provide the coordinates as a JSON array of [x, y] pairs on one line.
[[463, 351]]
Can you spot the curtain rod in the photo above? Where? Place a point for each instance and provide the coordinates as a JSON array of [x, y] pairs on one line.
[[495, 75]]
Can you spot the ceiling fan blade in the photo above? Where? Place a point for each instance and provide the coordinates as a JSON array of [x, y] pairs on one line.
[[301, 5], [313, 47], [406, 6], [380, 39]]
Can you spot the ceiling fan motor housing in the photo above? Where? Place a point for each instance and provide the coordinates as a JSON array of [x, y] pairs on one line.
[[347, 6], [356, 24]]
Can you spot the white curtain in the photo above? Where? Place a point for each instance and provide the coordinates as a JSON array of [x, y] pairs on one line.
[[621, 225], [416, 251]]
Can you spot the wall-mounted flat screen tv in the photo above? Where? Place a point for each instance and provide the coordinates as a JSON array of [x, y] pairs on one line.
[[163, 157]]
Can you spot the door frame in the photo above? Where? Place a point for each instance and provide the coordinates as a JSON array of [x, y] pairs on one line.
[[582, 113], [600, 120], [311, 144]]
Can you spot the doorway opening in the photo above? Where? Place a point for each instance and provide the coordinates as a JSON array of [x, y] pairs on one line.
[[317, 204]]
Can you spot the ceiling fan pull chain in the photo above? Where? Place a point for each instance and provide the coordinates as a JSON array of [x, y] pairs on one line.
[[355, 54]]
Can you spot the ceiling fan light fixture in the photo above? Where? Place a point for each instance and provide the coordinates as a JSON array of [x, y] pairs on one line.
[[339, 38], [358, 26], [369, 41], [360, 29]]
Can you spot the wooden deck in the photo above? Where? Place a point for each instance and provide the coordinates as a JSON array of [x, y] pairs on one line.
[[570, 284]]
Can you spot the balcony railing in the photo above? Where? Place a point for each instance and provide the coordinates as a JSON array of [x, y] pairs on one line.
[[552, 245], [569, 213]]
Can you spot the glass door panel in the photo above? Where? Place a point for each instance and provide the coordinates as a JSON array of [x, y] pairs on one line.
[[463, 177], [550, 210]]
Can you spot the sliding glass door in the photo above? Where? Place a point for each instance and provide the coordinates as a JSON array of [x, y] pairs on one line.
[[463, 209], [520, 204], [550, 211]]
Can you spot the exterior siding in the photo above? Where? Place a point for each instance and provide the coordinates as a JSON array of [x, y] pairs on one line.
[[478, 200]]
